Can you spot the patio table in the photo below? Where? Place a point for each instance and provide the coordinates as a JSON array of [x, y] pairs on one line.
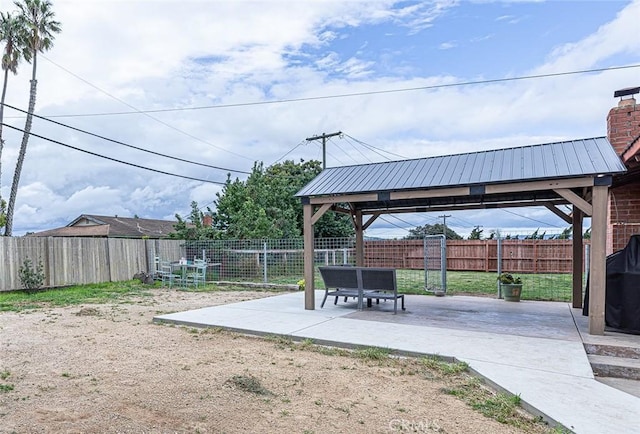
[[182, 268]]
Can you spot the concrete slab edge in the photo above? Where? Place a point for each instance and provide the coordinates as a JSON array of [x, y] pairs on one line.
[[400, 353]]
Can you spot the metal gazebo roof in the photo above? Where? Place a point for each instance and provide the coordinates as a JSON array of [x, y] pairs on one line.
[[575, 172], [568, 159]]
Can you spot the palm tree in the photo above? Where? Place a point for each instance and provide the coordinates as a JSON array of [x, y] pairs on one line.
[[37, 18], [13, 35]]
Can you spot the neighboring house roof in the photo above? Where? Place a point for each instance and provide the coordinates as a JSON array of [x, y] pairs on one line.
[[573, 158], [88, 225]]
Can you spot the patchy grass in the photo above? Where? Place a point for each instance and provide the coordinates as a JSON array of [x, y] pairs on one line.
[[96, 293], [248, 383], [501, 407], [445, 368], [4, 388], [498, 406], [72, 295], [373, 353]]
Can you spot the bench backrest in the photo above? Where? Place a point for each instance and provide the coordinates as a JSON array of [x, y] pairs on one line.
[[382, 279], [339, 277]]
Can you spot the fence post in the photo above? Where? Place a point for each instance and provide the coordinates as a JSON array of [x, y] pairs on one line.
[[499, 265], [486, 256], [443, 262], [51, 268], [265, 262]]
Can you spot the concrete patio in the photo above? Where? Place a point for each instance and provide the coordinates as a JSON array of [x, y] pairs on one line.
[[532, 349]]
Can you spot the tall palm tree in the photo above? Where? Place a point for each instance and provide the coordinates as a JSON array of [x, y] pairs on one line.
[[37, 17], [13, 35]]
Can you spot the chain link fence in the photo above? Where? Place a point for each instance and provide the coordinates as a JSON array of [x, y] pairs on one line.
[[471, 265], [267, 261]]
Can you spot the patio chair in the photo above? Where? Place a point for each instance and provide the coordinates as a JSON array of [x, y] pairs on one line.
[[167, 276], [197, 275], [157, 270]]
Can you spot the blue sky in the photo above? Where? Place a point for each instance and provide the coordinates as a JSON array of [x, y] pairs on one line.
[[131, 57]]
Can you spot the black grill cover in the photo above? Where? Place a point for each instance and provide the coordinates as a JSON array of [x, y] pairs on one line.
[[622, 300]]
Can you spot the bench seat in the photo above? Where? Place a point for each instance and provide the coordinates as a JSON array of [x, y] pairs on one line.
[[361, 282]]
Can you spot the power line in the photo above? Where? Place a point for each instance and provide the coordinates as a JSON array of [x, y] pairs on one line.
[[333, 157], [532, 219], [347, 95], [113, 159], [359, 151], [126, 144], [465, 222], [288, 152], [374, 149], [393, 224], [143, 112], [403, 221]]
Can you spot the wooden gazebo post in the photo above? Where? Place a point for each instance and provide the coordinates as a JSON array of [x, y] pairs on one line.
[[578, 257], [598, 266], [359, 238], [309, 290]]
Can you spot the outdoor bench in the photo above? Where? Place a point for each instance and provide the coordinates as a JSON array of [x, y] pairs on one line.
[[361, 282]]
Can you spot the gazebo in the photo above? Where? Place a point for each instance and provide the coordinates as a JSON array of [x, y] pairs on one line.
[[575, 172]]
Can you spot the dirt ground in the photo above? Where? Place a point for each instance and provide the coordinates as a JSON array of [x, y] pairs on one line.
[[107, 368]]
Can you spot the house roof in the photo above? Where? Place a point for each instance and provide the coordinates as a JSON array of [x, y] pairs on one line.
[[569, 159], [88, 225]]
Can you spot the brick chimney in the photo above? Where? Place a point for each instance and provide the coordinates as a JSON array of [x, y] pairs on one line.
[[623, 132], [207, 221], [623, 121]]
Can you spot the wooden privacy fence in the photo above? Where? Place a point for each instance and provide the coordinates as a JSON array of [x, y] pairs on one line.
[[68, 261], [521, 256]]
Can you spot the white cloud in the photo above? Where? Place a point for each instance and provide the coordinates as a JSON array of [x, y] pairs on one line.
[[170, 54], [448, 45]]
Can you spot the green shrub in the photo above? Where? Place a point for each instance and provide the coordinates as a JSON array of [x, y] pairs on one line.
[[31, 277]]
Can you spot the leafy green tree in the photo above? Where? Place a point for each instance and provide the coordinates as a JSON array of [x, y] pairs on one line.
[[587, 234], [37, 18], [476, 233], [193, 228], [436, 229], [334, 225], [565, 234], [535, 235], [265, 206]]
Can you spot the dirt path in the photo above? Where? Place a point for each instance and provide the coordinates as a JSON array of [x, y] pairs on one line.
[[106, 368]]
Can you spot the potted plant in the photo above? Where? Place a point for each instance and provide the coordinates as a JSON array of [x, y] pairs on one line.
[[511, 287]]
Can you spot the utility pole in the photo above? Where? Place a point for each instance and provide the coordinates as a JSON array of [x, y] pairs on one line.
[[324, 138], [444, 224]]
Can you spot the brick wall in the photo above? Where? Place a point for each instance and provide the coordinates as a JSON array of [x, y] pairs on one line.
[[623, 127], [623, 124]]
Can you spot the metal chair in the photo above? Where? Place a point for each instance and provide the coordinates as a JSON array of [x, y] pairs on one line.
[[157, 271], [198, 275], [166, 273]]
